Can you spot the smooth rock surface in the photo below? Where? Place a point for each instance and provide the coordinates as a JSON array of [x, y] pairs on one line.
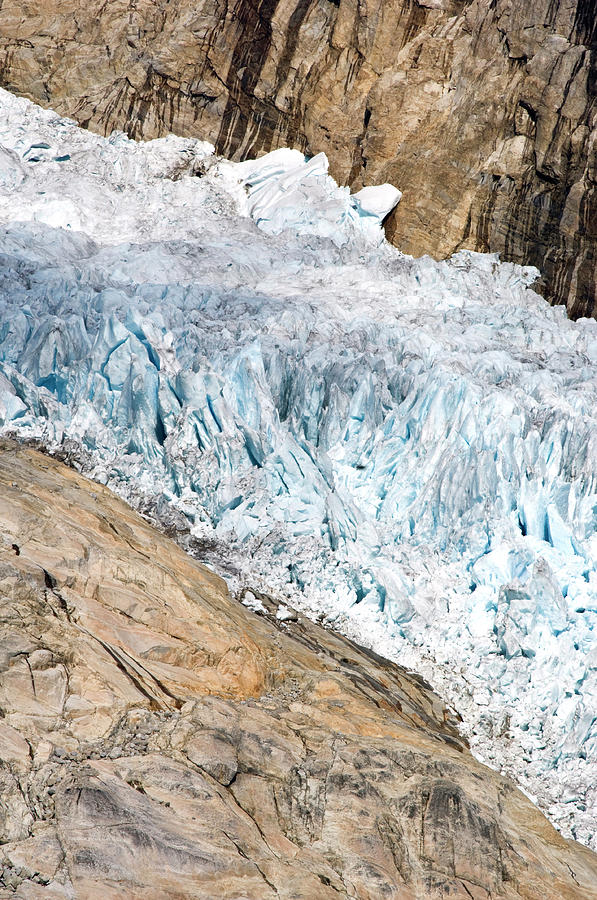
[[483, 113], [179, 745]]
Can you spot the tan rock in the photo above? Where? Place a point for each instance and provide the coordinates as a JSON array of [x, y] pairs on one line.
[[14, 749], [186, 747], [40, 854], [215, 754]]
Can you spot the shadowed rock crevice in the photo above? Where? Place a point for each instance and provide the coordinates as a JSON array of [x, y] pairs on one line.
[[242, 114]]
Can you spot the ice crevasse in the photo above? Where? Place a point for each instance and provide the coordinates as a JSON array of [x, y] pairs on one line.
[[407, 447]]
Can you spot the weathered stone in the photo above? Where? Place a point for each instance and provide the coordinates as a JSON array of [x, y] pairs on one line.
[[40, 854], [482, 113], [276, 761], [215, 755], [14, 749]]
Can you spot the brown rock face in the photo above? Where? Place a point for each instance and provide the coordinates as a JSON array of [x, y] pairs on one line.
[[160, 741], [483, 113]]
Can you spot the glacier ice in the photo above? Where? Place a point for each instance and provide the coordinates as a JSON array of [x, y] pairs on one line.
[[406, 447]]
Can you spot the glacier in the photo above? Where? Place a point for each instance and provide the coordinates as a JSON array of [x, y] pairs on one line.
[[403, 448]]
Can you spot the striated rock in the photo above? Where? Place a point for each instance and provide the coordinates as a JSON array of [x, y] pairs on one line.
[[159, 740], [483, 113]]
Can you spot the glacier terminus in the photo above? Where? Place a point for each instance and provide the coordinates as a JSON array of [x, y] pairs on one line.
[[404, 448]]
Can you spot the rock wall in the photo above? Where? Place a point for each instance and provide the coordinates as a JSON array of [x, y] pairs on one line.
[[160, 741], [483, 113]]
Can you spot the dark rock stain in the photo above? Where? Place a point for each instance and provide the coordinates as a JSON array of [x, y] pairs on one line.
[[254, 18]]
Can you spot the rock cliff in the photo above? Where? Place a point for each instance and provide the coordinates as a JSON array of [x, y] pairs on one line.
[[483, 113], [159, 740]]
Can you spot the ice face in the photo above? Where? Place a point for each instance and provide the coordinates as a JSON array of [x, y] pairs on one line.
[[406, 446]]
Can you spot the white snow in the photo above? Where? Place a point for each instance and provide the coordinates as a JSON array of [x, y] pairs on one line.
[[409, 447], [377, 200], [252, 602], [284, 614]]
